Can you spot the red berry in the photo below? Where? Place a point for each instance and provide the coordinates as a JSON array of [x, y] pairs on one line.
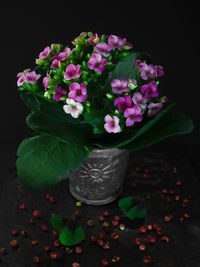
[[14, 243], [142, 247], [54, 255], [36, 259], [77, 213], [165, 238], [56, 243], [105, 262], [147, 259], [22, 207], [115, 223], [53, 214], [52, 199], [55, 233], [75, 264], [116, 218], [181, 219], [114, 236], [178, 183], [116, 259], [165, 191], [47, 248], [93, 238], [78, 250], [171, 191], [185, 200], [15, 232], [33, 242], [186, 215], [47, 196], [168, 218], [142, 230], [100, 242], [149, 227], [101, 235], [155, 225], [138, 241], [167, 199], [158, 228], [177, 198], [36, 213], [44, 228], [32, 221], [106, 213], [101, 218], [151, 239]]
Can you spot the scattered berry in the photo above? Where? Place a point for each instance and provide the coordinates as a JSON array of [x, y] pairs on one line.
[[106, 245], [55, 233], [75, 264], [147, 259], [105, 224], [93, 238], [22, 207], [151, 239], [36, 259], [100, 242], [105, 262], [3, 251], [116, 218], [142, 230], [52, 199], [44, 228], [185, 200], [149, 227], [114, 236], [77, 214], [178, 183], [165, 238], [47, 196], [106, 213], [101, 235], [142, 247], [115, 259], [115, 223], [177, 197], [168, 199], [33, 242], [32, 221], [54, 255], [53, 214], [186, 215], [15, 232], [122, 226], [137, 169], [24, 233], [101, 218], [36, 213], [14, 243], [90, 223], [78, 250], [181, 219], [78, 204], [69, 250], [56, 243], [47, 248], [165, 191], [138, 241], [171, 191]]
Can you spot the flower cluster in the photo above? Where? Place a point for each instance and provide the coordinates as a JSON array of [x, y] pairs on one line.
[[71, 73]]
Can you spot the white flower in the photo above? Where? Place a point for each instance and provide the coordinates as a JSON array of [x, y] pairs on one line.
[[73, 108]]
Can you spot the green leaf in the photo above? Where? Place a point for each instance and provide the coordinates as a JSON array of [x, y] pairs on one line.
[[142, 213], [69, 238], [171, 124], [52, 120], [29, 100], [45, 160], [57, 222], [125, 203], [96, 119]]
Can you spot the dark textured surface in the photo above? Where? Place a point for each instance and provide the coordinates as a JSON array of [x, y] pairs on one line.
[[182, 250]]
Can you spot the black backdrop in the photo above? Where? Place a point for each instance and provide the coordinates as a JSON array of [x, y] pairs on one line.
[[165, 29]]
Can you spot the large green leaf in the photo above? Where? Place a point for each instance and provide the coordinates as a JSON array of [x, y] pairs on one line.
[[127, 136], [71, 238], [57, 222], [96, 119], [52, 120], [171, 124], [45, 160]]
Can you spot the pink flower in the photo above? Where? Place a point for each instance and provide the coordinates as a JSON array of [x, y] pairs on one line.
[[112, 124], [44, 54], [123, 102], [115, 42], [45, 81], [62, 56], [96, 63], [92, 39], [54, 64], [133, 115], [32, 77], [60, 92], [139, 100], [21, 80], [78, 92], [23, 72], [120, 86], [103, 48], [159, 71], [154, 109], [73, 108], [147, 71], [150, 90], [72, 72]]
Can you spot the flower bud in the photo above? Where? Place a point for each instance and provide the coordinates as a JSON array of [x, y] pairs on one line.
[[39, 61], [163, 99], [117, 112], [90, 34], [96, 40], [126, 47], [47, 94], [109, 96]]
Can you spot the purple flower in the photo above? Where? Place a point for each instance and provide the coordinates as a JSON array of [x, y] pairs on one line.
[[45, 81], [147, 71], [78, 92], [123, 102], [154, 109], [103, 48], [21, 80], [44, 54], [115, 42], [73, 108], [138, 62], [72, 72], [92, 40], [32, 77], [55, 64], [62, 56], [150, 90], [133, 115], [120, 86], [59, 93], [139, 100], [159, 71], [96, 63], [112, 124]]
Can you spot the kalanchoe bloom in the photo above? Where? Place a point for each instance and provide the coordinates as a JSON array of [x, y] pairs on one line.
[[112, 124], [62, 56], [123, 102], [103, 48], [96, 63], [120, 86], [23, 72], [133, 115], [78, 92], [94, 39], [54, 64], [139, 100], [72, 72], [73, 108], [159, 71], [60, 92], [32, 77], [44, 54], [147, 71], [116, 42], [45, 81], [132, 84], [150, 90], [138, 62], [154, 109], [21, 80]]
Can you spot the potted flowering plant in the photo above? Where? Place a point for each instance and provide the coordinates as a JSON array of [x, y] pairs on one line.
[[89, 103]]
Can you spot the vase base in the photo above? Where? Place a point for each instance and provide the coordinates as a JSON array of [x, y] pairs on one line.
[[95, 202]]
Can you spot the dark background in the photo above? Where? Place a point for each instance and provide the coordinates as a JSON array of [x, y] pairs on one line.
[[166, 29]]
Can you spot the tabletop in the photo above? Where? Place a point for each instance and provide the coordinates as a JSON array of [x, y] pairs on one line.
[[166, 175]]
